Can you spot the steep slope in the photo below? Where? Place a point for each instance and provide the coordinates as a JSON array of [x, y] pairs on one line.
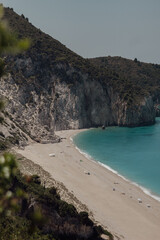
[[11, 133], [49, 87]]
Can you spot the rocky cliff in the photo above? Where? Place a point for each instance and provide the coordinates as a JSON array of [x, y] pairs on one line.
[[51, 88]]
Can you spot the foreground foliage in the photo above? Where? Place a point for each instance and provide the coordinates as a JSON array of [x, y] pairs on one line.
[[9, 43], [28, 210]]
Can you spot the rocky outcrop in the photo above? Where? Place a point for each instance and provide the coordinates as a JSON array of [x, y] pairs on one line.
[[84, 104], [137, 114], [11, 133], [141, 114], [31, 111]]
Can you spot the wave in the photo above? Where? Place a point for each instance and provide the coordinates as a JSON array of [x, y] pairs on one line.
[[145, 190]]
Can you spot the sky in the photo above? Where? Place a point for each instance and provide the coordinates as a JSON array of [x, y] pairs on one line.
[[94, 28]]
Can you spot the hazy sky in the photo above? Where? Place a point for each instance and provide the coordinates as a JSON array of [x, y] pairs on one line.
[[92, 28]]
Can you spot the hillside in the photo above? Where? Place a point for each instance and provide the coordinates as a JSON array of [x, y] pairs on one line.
[[49, 88], [146, 76]]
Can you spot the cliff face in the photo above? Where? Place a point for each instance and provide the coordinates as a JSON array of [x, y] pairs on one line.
[[86, 103], [51, 88], [89, 104], [138, 114], [11, 133], [30, 110]]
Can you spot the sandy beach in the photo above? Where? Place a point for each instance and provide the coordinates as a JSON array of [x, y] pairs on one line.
[[112, 200]]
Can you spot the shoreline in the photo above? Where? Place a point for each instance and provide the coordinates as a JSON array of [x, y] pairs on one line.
[[144, 189], [112, 200]]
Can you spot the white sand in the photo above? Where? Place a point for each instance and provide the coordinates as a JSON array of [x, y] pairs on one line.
[[117, 210]]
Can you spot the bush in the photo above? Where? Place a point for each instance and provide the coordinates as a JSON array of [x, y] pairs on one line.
[[36, 179], [83, 216], [67, 209]]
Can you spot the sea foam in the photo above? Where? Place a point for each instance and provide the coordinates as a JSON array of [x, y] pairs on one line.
[[145, 190]]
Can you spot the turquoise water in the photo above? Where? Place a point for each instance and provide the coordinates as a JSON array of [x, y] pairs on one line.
[[133, 152]]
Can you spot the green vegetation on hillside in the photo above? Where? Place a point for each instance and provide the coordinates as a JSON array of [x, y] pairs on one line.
[[141, 78]]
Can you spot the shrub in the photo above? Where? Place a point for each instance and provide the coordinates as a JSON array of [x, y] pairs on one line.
[[85, 219], [36, 179]]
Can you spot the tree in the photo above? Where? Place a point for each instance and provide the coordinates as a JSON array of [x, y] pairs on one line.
[[135, 60], [9, 43]]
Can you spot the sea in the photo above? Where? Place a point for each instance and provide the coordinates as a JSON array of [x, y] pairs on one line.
[[132, 153]]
